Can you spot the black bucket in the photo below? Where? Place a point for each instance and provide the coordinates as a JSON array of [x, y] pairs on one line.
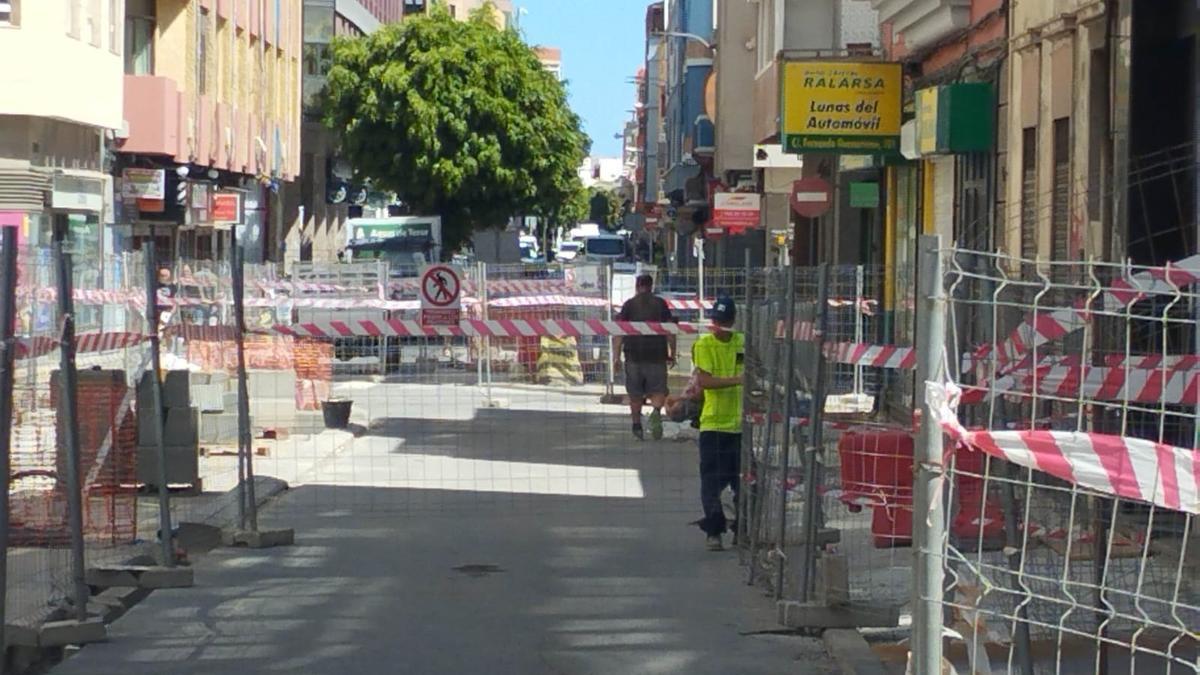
[[337, 413]]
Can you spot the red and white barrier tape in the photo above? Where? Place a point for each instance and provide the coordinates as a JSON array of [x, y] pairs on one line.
[[1129, 468], [480, 328], [84, 342], [1152, 378], [875, 356], [1056, 324]]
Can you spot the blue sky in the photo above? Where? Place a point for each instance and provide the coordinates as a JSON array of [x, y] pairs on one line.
[[602, 48]]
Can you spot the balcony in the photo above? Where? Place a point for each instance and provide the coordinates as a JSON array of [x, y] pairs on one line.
[[921, 23], [152, 116]]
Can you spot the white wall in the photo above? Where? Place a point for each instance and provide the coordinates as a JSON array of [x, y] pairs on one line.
[[48, 73]]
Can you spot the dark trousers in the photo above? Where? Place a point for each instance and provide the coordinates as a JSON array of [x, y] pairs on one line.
[[720, 457]]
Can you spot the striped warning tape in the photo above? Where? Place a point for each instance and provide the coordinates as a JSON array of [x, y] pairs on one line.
[[876, 356], [28, 348], [1131, 468]]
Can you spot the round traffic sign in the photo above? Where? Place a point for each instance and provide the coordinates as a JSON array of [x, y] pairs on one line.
[[811, 197], [440, 286]]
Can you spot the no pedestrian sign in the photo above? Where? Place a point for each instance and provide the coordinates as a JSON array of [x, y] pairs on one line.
[[441, 296]]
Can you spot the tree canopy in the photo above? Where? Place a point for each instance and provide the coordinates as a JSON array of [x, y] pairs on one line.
[[459, 119]]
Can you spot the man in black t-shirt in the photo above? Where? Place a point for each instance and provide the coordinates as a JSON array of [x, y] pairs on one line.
[[646, 356]]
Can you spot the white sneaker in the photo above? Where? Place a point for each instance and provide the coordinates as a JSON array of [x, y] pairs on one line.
[[713, 543]]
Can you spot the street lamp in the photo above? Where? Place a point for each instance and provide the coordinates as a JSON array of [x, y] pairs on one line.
[[687, 36]]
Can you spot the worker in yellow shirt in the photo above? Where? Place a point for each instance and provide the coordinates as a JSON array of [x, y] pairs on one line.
[[719, 358]]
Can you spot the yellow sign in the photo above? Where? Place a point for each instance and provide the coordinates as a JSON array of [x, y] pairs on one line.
[[841, 107], [927, 119]]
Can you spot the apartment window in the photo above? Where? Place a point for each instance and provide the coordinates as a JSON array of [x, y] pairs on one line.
[[95, 34], [418, 6], [1029, 246], [202, 53], [770, 27], [453, 11], [1060, 211], [140, 25], [10, 12]]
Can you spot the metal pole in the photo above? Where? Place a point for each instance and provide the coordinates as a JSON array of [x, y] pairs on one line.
[[68, 411], [858, 327], [481, 279], [747, 428], [487, 340], [160, 433], [786, 446], [929, 518], [700, 269], [244, 439], [8, 307], [772, 362], [816, 432], [610, 383]]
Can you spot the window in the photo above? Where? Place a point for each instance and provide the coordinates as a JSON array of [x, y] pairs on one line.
[[95, 34], [417, 6], [140, 26], [1029, 243], [1060, 211], [10, 12]]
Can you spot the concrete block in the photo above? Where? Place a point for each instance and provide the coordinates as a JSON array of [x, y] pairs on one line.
[[196, 538], [19, 635], [795, 614], [138, 576], [111, 604], [271, 384], [175, 390], [852, 653], [183, 465], [259, 539], [209, 397], [180, 427], [833, 580], [218, 428], [72, 632]]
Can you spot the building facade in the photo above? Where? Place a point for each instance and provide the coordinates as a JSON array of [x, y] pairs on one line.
[[212, 125], [551, 58], [53, 139], [1102, 161], [326, 196]]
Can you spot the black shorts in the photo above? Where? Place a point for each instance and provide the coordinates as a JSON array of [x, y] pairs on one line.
[[645, 379]]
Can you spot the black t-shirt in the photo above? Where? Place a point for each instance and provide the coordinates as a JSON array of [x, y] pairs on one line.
[[645, 348]]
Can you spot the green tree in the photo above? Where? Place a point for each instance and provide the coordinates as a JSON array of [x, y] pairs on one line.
[[458, 118]]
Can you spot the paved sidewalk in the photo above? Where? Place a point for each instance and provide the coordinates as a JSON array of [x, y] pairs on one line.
[[453, 540]]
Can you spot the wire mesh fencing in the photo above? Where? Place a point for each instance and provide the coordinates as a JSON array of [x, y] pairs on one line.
[[1071, 490], [830, 499], [110, 357]]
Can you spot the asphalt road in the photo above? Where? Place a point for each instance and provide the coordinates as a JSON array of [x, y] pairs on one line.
[[535, 537]]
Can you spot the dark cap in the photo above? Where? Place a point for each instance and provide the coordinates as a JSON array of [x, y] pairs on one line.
[[723, 310]]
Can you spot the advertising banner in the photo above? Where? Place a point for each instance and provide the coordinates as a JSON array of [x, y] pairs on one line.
[[736, 210], [840, 107]]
